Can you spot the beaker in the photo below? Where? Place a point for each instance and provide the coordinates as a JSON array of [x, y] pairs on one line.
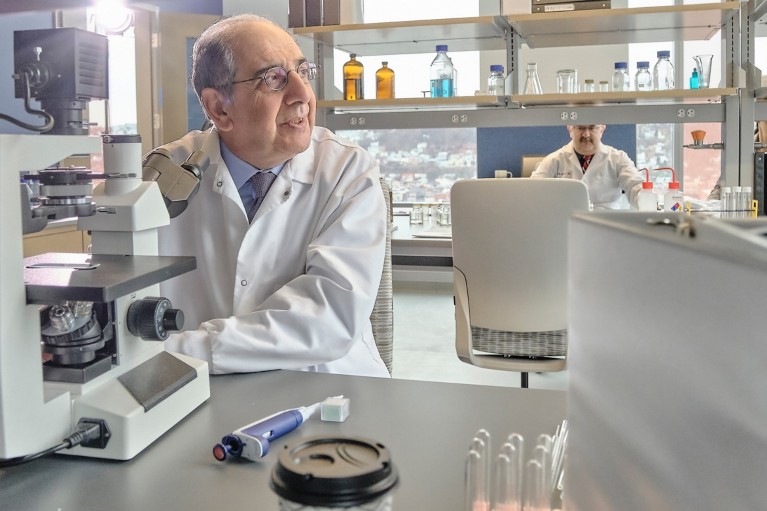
[[703, 63], [567, 81]]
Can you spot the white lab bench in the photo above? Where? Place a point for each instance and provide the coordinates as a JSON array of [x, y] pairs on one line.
[[421, 252]]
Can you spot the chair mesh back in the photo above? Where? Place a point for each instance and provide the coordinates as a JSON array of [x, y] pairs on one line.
[[382, 317]]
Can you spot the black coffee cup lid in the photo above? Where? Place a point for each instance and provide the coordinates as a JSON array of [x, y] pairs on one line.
[[333, 471]]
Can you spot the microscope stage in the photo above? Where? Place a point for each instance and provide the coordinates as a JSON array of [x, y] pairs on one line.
[[54, 277]]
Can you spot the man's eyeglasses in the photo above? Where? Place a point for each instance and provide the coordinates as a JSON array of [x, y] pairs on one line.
[[276, 78], [591, 128]]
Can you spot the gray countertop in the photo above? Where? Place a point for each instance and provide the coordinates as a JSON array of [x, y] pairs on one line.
[[427, 427]]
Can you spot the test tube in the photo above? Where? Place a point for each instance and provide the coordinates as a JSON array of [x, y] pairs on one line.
[[503, 497], [517, 441], [534, 489], [484, 436], [476, 484], [513, 477]]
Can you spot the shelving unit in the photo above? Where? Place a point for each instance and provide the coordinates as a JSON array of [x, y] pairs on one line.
[[546, 30], [623, 26], [420, 36]]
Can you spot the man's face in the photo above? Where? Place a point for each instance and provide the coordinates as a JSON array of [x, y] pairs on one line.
[[586, 139], [268, 127]]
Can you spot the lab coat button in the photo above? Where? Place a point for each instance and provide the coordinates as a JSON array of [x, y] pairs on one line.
[[287, 193], [220, 184], [243, 282]]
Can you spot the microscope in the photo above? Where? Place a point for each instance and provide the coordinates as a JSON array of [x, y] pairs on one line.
[[81, 335]]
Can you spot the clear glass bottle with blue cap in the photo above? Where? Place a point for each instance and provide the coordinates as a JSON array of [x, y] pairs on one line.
[[663, 72], [442, 74]]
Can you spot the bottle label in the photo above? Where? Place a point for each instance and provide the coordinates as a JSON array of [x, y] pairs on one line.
[[353, 89], [442, 88]]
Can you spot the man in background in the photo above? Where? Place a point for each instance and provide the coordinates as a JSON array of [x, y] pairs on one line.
[[611, 178]]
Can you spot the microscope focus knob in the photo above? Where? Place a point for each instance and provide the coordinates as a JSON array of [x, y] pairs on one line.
[[153, 317]]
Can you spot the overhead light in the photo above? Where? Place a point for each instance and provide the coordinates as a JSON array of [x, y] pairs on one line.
[[112, 17]]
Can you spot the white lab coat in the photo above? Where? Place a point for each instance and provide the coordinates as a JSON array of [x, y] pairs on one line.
[[610, 172], [295, 288]]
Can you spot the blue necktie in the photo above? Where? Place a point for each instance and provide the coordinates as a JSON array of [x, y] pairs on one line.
[[261, 182]]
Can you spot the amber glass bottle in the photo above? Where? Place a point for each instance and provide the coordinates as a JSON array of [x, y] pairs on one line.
[[384, 82], [354, 83]]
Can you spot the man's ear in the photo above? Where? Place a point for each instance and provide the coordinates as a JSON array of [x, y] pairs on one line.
[[217, 107]]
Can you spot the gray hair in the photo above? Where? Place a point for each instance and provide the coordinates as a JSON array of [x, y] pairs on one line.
[[213, 62]]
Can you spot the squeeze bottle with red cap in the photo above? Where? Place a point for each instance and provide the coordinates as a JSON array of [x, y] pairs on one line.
[[647, 199], [673, 199]]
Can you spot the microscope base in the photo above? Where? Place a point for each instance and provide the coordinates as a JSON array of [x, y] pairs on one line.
[[133, 425]]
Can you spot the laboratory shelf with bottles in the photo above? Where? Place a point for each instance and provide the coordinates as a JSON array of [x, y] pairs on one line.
[[732, 104], [509, 33]]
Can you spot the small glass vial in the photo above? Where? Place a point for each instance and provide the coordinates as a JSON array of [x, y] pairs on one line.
[[748, 198], [533, 82], [589, 85], [416, 215], [384, 82], [736, 203], [604, 86], [725, 203], [643, 79], [354, 85], [495, 82], [621, 80]]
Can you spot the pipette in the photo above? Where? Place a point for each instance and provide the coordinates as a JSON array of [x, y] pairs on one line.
[[252, 441]]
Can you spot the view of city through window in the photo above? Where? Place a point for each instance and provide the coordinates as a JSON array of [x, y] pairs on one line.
[[421, 164]]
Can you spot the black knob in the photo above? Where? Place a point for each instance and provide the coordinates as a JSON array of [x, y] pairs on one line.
[[153, 318]]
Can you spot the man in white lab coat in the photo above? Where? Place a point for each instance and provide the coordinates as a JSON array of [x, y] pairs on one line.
[[294, 287], [607, 172]]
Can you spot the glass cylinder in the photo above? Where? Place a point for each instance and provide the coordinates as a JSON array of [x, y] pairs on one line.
[[385, 82], [532, 82], [354, 79]]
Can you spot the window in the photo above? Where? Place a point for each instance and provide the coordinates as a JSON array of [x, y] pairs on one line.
[[421, 164]]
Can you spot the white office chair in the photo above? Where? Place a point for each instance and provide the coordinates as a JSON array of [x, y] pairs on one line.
[[510, 271]]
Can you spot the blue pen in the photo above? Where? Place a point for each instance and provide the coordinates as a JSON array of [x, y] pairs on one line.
[[252, 441]]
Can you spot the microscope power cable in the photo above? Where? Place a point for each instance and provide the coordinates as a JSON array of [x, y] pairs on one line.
[[86, 431], [48, 117]]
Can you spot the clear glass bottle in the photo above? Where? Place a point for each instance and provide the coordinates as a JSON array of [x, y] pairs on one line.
[[604, 86], [589, 85], [385, 82], [532, 82], [495, 82], [442, 74], [621, 80], [663, 72], [354, 79], [643, 78]]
